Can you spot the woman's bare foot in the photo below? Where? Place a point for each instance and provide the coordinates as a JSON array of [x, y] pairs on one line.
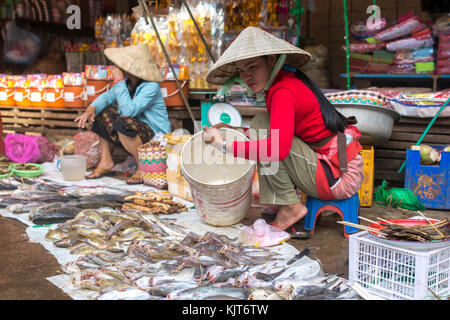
[[290, 214], [136, 178], [103, 168]]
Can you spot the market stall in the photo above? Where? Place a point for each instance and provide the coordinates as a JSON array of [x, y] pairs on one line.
[[166, 237]]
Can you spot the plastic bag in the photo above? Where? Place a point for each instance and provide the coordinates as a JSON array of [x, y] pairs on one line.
[[21, 148], [409, 44], [47, 149], [401, 29], [87, 143], [397, 197], [262, 234], [20, 46]]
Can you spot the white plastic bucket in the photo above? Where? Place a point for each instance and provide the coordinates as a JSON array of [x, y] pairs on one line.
[[221, 185], [73, 167]]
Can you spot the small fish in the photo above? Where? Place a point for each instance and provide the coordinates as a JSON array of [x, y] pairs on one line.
[[300, 255], [202, 292], [55, 235], [227, 274], [57, 215], [125, 294], [162, 290], [20, 208], [67, 242]]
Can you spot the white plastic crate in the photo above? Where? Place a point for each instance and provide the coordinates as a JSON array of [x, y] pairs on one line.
[[396, 273]]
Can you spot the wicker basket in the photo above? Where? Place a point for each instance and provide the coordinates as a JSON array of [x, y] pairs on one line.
[[152, 160]]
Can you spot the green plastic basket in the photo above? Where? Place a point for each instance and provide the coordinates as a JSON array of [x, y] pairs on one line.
[[27, 173], [6, 175]]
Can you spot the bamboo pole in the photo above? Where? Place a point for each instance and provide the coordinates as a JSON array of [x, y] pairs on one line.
[[148, 16]]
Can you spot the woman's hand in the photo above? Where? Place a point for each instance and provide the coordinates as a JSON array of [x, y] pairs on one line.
[[212, 135], [88, 115], [224, 125], [116, 73]]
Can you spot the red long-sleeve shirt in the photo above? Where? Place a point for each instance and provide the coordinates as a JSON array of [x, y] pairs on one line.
[[294, 111]]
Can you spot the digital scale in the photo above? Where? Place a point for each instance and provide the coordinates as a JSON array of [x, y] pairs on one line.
[[213, 113]]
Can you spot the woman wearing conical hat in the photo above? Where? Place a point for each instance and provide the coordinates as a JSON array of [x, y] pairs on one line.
[[132, 112], [310, 144]]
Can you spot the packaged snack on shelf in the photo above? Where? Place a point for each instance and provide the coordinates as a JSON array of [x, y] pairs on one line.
[[54, 91], [36, 85], [182, 72], [98, 72], [6, 90], [73, 79]]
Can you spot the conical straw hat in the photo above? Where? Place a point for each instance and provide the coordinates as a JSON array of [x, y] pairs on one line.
[[136, 60], [254, 42]]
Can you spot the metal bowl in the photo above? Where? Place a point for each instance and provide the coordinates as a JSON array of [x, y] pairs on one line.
[[375, 123]]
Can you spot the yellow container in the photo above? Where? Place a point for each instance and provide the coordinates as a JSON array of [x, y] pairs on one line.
[[366, 190]]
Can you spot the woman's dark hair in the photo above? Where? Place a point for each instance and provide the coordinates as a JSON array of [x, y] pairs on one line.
[[334, 120], [132, 88]]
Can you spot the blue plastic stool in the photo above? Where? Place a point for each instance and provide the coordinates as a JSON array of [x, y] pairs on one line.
[[348, 209]]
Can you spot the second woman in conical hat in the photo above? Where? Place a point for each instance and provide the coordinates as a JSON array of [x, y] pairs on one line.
[[308, 146], [131, 112]]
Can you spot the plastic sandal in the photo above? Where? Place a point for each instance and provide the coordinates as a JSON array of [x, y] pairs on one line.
[[299, 235]]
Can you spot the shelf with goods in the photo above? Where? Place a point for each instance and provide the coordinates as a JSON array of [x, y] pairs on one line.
[[411, 47], [437, 81]]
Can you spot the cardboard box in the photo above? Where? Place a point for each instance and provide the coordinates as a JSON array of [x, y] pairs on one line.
[[178, 186]]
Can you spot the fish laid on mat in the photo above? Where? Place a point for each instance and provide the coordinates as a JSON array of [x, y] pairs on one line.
[[203, 292], [57, 215]]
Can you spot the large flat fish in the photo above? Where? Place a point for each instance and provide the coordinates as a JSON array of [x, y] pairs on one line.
[[57, 215]]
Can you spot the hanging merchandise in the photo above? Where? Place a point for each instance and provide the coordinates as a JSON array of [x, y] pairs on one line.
[[182, 40], [114, 31], [20, 46], [244, 13]]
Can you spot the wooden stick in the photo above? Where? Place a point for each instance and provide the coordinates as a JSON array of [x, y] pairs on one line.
[[389, 222], [431, 224], [359, 226], [406, 227], [368, 220]]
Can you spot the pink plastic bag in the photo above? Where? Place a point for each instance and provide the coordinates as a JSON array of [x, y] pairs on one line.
[[21, 148], [262, 234], [400, 30]]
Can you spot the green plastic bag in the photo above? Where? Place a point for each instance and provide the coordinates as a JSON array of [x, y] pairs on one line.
[[398, 197]]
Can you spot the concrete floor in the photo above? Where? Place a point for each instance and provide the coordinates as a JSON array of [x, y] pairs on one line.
[[328, 243]]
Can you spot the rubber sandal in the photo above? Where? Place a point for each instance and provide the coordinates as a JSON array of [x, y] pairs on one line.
[[299, 235], [100, 173], [134, 180]]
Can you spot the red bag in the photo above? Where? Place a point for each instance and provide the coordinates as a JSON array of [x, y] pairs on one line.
[[87, 143]]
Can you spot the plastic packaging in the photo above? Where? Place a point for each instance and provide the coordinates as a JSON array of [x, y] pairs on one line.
[[400, 30], [20, 46], [409, 44], [47, 149], [398, 197], [263, 235], [21, 148], [88, 143]]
